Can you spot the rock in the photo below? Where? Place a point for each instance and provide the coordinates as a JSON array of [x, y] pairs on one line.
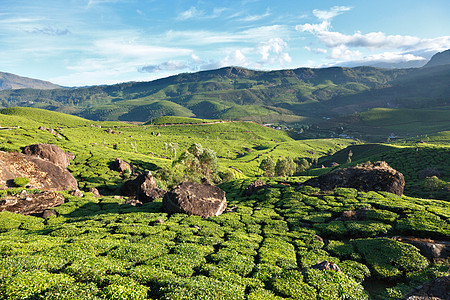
[[120, 165], [49, 213], [195, 199], [326, 265], [437, 289], [42, 174], [70, 155], [144, 187], [254, 187], [433, 250], [367, 177], [33, 204], [133, 202], [77, 193], [94, 191], [48, 152]]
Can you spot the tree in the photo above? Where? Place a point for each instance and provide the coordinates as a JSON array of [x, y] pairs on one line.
[[285, 167], [198, 162], [302, 165], [433, 183], [268, 166]]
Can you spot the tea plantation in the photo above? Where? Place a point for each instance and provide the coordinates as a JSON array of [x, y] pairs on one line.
[[264, 247]]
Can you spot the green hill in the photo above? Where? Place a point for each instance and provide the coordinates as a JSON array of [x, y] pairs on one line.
[[208, 94]]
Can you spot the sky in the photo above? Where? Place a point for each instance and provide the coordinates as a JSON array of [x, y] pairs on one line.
[[93, 42]]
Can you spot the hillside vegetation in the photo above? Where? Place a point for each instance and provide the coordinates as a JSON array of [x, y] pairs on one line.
[[264, 248], [302, 95]]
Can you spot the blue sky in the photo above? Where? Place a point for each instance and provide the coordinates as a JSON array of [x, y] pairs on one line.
[[87, 42]]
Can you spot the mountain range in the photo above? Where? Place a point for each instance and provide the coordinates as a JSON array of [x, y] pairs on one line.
[[11, 81], [300, 96]]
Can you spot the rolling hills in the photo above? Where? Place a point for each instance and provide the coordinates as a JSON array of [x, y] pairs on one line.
[[294, 96], [265, 247]]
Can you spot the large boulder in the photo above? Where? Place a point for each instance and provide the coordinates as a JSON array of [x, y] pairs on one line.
[[378, 176], [437, 289], [31, 204], [195, 199], [120, 166], [144, 187], [48, 152], [431, 249], [254, 187], [41, 173]]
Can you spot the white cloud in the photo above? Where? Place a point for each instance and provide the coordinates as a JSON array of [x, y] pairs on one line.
[[348, 47], [329, 14], [191, 13], [316, 50], [113, 47], [369, 40], [324, 26], [204, 37], [342, 52], [254, 18], [274, 50]]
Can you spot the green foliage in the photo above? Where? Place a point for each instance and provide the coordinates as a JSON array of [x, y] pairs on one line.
[[21, 181], [290, 284], [285, 167], [388, 259], [27, 284], [268, 166]]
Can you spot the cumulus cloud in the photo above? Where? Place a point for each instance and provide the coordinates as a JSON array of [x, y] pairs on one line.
[[347, 47], [369, 40], [324, 26], [274, 50]]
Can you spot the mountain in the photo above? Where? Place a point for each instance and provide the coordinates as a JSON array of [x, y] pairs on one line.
[[439, 59], [301, 96], [11, 81]]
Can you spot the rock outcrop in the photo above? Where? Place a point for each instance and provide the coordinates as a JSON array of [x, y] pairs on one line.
[[121, 166], [31, 204], [378, 176], [326, 265], [144, 187], [48, 152], [195, 199], [254, 187], [431, 249], [437, 289], [42, 173]]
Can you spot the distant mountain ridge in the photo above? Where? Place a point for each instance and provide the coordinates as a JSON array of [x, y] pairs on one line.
[[12, 81], [439, 59], [302, 96]]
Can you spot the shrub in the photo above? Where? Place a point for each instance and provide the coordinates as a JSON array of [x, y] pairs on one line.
[[388, 258], [21, 181], [29, 284], [332, 285], [290, 284], [201, 287], [132, 291]]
